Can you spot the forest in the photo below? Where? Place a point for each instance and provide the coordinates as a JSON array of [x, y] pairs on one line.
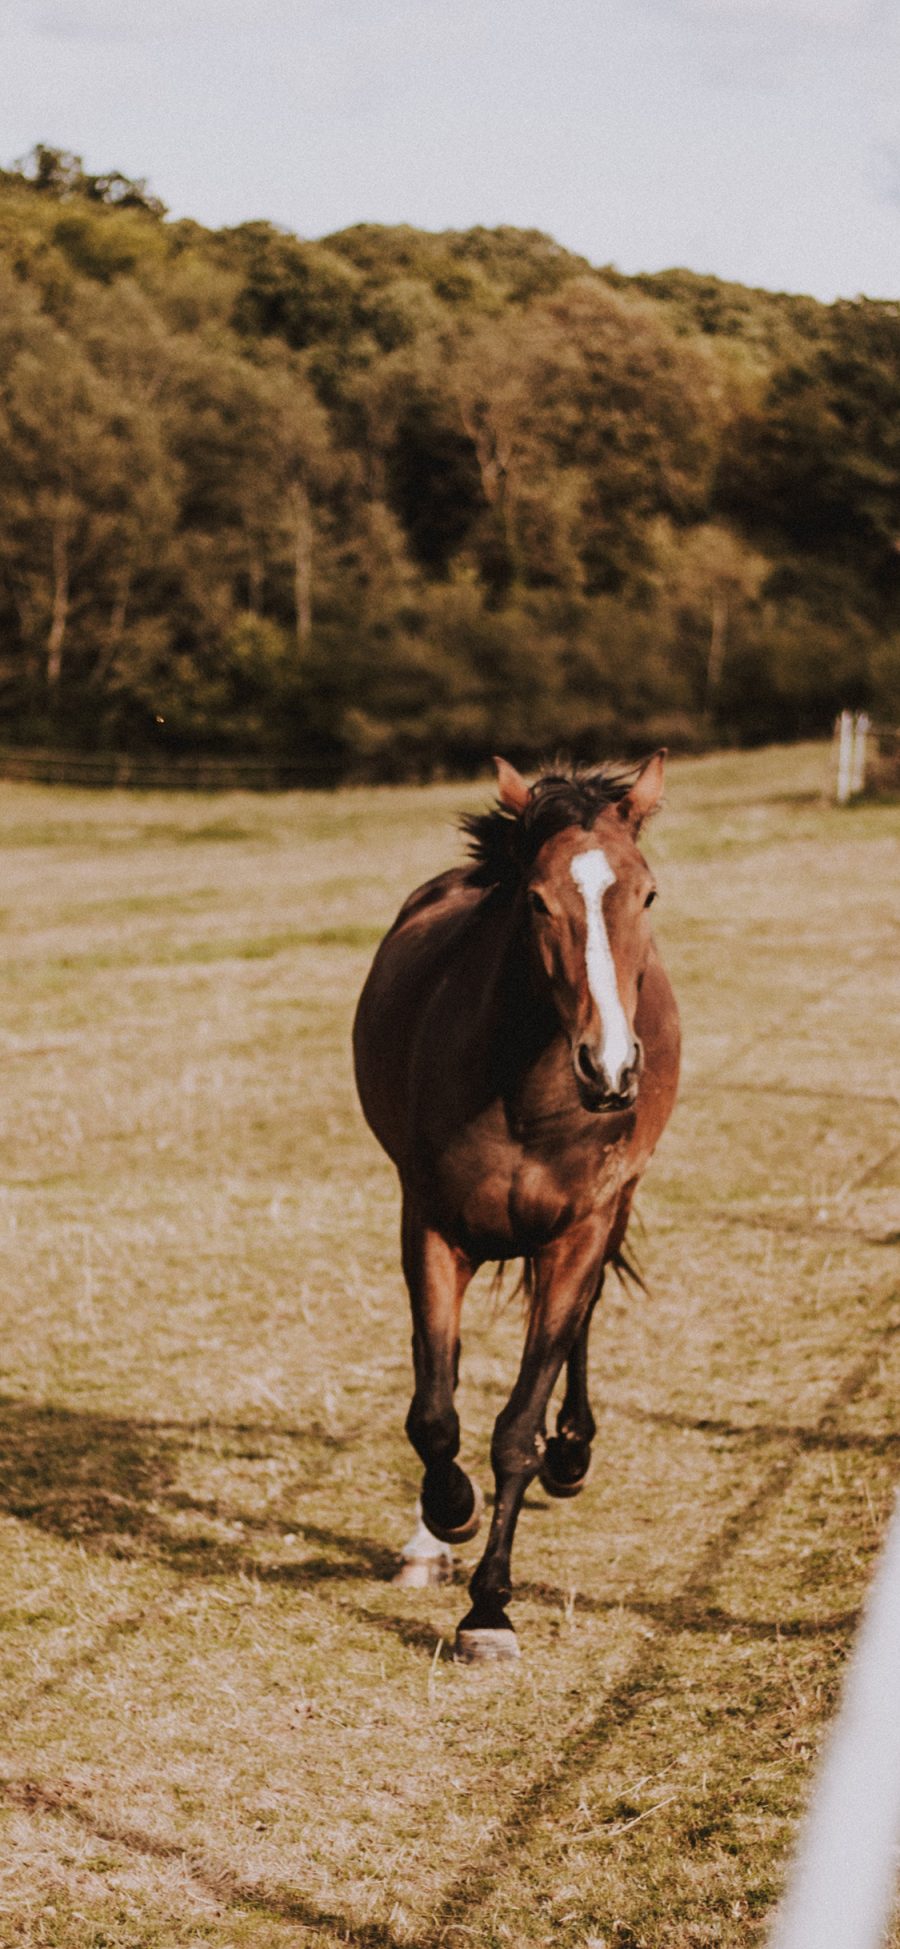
[[380, 504]]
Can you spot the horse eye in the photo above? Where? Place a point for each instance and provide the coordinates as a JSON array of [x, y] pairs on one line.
[[650, 897], [536, 902]]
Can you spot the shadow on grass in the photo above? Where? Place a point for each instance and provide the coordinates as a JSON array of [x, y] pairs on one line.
[[109, 1483], [686, 1613], [824, 1435], [282, 1904], [416, 1633]]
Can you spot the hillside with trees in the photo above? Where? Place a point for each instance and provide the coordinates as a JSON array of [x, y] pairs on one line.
[[385, 502]]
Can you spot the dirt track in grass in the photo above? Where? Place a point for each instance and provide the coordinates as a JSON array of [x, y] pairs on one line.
[[219, 1722]]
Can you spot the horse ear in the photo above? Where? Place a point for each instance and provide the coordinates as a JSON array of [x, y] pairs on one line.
[[512, 790], [645, 793]]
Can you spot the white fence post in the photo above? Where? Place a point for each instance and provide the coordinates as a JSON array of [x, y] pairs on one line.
[[845, 756], [842, 1888], [861, 730]]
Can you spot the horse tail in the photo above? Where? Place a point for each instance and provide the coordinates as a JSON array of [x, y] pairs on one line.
[[628, 1270], [625, 1264], [522, 1287]]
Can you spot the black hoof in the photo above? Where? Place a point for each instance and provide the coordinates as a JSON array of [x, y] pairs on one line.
[[456, 1514], [565, 1467], [486, 1638]]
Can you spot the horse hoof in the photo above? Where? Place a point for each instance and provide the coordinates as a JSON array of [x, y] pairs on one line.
[[562, 1490], [465, 1530], [483, 1644], [420, 1572], [560, 1486]]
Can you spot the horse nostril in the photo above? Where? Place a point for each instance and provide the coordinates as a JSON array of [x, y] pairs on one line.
[[586, 1067]]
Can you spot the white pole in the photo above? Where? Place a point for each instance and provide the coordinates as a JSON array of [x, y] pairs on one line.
[[845, 756], [842, 1889], [858, 769]]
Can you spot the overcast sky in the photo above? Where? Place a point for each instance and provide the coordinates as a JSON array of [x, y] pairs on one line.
[[759, 139]]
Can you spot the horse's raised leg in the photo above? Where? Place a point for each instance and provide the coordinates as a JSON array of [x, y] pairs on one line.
[[437, 1275], [567, 1279], [566, 1461]]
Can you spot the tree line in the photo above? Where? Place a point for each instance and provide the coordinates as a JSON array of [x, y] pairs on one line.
[[390, 500]]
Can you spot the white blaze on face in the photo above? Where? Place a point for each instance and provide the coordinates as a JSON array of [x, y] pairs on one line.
[[592, 874]]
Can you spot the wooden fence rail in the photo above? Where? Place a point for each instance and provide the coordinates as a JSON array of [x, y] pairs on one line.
[[155, 774]]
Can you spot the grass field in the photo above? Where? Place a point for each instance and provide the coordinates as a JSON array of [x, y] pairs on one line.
[[219, 1722]]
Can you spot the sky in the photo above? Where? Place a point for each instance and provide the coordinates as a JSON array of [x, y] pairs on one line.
[[756, 139]]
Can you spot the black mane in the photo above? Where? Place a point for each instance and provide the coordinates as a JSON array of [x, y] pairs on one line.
[[503, 845]]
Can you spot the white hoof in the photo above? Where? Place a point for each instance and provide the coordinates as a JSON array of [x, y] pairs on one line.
[[482, 1644], [424, 1560], [419, 1573]]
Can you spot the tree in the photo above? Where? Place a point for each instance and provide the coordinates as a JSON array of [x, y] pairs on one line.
[[303, 293], [392, 497], [816, 465], [618, 396], [82, 481], [709, 584], [60, 174]]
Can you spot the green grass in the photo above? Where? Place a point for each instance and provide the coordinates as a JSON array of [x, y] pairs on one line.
[[220, 1723]]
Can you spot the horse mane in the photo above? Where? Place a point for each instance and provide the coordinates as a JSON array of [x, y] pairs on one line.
[[502, 845]]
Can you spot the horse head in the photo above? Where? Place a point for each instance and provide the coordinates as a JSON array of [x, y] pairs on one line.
[[587, 889]]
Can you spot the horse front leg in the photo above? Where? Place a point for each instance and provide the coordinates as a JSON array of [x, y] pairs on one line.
[[566, 1461], [437, 1275], [567, 1280]]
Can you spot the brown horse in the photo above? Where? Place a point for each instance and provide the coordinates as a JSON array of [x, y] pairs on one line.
[[516, 1049]]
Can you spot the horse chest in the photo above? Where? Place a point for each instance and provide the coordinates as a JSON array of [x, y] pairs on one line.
[[501, 1194]]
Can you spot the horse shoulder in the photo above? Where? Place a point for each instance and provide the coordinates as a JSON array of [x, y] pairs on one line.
[[441, 898], [656, 1017], [424, 941], [657, 1024]]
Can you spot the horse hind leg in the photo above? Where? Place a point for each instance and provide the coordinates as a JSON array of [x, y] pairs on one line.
[[437, 1275]]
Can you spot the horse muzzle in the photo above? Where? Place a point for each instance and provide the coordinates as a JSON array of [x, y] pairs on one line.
[[597, 1090]]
